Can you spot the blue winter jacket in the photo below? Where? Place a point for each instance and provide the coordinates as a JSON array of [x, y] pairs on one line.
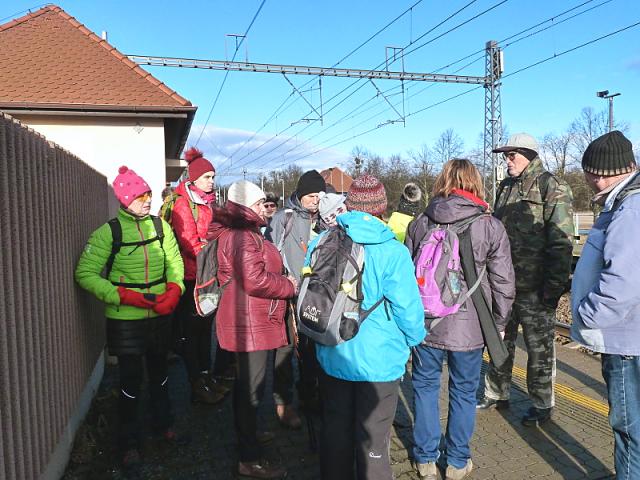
[[380, 350], [605, 289]]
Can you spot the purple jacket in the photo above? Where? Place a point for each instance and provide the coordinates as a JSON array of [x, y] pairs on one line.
[[461, 331]]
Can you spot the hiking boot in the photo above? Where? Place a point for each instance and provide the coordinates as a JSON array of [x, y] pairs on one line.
[[454, 473], [288, 417], [215, 385], [488, 403], [261, 469], [202, 393], [427, 471], [536, 416]]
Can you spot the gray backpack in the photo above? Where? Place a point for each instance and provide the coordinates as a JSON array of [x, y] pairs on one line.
[[329, 304]]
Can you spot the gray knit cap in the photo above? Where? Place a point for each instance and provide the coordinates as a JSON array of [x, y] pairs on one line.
[[609, 155]]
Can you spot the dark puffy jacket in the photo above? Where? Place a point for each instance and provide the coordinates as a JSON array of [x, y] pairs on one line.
[[189, 232], [250, 316], [461, 331]]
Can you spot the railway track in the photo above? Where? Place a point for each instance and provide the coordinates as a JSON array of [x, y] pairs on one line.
[[563, 329]]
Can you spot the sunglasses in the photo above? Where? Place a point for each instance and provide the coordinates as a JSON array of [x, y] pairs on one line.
[[509, 155], [270, 205], [144, 197]]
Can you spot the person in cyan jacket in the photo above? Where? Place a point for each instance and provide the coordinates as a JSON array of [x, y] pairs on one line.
[[457, 196], [361, 377], [250, 317], [605, 291], [141, 290]]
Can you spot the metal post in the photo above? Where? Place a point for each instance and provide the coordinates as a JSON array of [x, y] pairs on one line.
[[282, 179], [610, 97], [492, 110]]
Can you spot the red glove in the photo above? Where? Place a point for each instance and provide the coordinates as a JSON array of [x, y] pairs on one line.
[[133, 298], [168, 301]]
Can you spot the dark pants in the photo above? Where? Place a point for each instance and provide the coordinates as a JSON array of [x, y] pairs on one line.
[[194, 332], [357, 419], [131, 368], [248, 390], [223, 361]]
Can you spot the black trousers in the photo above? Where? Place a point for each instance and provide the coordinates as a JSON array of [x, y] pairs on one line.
[[248, 391], [194, 334], [357, 419], [131, 369]]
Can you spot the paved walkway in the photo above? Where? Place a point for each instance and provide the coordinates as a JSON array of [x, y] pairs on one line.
[[576, 444]]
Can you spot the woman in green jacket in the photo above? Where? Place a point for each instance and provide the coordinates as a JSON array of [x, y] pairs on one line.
[[141, 288]]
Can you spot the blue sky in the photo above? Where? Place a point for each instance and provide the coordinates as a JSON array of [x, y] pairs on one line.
[[543, 99]]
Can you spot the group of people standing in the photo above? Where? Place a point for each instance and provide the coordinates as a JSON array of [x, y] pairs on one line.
[[522, 249]]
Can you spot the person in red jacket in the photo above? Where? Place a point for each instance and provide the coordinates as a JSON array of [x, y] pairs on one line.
[[250, 320], [190, 219]]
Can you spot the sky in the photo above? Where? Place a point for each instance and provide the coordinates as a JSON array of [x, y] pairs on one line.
[[260, 123]]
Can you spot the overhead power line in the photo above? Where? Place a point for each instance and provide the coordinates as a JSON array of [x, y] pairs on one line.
[[224, 80]]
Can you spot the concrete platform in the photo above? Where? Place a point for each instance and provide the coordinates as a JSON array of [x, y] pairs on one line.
[[576, 444]]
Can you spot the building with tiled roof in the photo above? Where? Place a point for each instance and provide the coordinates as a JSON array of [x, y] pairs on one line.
[[69, 84], [335, 177]]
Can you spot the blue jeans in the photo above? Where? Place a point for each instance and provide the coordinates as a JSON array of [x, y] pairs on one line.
[[622, 375], [464, 377]]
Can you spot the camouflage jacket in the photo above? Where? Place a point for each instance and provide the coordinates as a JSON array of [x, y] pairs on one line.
[[536, 211]]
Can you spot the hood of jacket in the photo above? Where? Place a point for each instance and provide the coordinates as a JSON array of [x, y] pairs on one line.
[[365, 228], [234, 216], [454, 208], [293, 202]]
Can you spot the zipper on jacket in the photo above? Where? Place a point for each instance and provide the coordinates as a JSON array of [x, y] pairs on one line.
[[146, 261]]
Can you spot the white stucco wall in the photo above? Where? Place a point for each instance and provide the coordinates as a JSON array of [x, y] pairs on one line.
[[106, 143]]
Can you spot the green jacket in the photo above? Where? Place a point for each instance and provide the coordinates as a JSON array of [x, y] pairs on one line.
[[132, 264], [398, 223], [537, 214]]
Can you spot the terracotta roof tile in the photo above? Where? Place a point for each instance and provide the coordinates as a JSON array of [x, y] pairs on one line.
[[48, 57]]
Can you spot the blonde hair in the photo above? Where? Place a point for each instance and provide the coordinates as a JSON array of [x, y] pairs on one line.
[[458, 173]]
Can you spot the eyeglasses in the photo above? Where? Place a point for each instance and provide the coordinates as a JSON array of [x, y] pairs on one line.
[[270, 205], [509, 155], [144, 197]]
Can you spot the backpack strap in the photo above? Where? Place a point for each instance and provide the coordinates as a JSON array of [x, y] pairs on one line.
[[288, 226], [116, 243], [496, 347]]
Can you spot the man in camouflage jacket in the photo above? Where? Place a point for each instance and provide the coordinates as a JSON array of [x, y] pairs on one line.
[[535, 208]]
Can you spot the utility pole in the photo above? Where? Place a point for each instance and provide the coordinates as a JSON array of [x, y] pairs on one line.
[[492, 109], [358, 163], [605, 94]]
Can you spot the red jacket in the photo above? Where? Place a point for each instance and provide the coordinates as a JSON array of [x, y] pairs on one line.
[[190, 235], [250, 316]]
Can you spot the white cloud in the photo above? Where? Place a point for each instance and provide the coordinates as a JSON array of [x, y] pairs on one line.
[[233, 150]]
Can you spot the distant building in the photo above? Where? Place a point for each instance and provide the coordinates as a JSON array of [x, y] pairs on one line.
[[335, 177], [64, 81]]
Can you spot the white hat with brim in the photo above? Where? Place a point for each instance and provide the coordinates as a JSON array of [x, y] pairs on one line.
[[519, 141]]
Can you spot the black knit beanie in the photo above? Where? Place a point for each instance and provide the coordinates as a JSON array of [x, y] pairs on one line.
[[609, 155], [410, 200], [310, 182]]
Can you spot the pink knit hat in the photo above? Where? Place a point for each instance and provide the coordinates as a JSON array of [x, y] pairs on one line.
[[128, 185], [367, 194], [197, 164]]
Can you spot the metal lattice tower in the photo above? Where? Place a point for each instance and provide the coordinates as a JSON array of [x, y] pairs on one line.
[[492, 111]]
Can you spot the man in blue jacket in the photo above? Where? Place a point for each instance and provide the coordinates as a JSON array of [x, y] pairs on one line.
[[361, 376], [605, 290]]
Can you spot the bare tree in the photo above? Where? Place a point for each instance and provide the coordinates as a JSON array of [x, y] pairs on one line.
[[557, 152], [448, 145], [423, 170]]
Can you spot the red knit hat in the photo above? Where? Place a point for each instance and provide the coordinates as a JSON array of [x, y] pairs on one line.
[[197, 164], [367, 194], [128, 185]]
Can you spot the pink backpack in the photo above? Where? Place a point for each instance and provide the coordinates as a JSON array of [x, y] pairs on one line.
[[439, 271]]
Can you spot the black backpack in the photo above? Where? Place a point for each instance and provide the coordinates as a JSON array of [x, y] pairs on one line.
[[207, 290], [329, 304], [117, 244]]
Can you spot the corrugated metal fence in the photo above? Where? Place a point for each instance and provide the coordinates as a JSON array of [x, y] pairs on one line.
[[51, 333]]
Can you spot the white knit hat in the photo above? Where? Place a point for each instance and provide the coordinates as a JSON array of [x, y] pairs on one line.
[[329, 203], [245, 193]]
